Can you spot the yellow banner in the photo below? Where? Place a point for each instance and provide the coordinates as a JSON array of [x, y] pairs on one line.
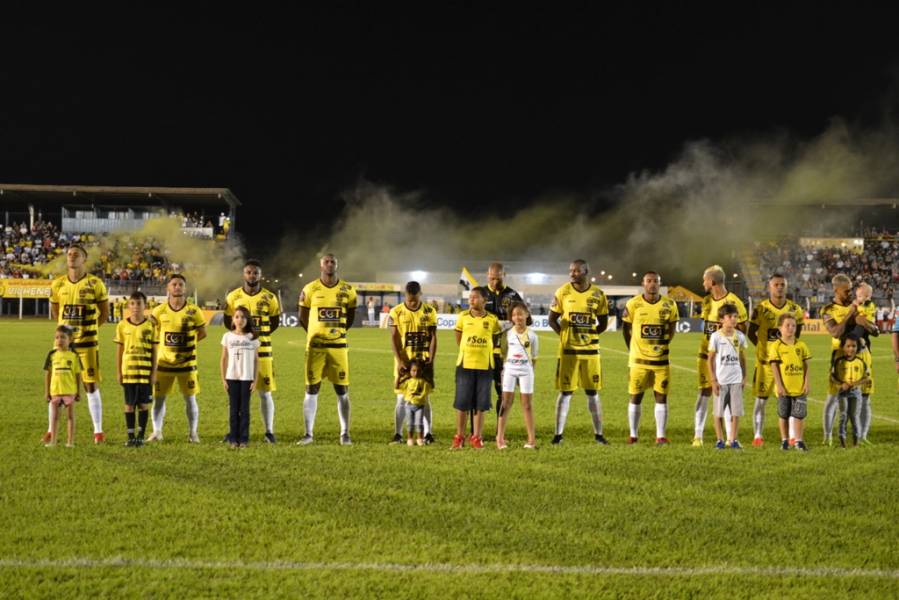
[[378, 287], [814, 326], [25, 288]]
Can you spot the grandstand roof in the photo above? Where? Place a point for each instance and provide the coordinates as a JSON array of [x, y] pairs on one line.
[[96, 194]]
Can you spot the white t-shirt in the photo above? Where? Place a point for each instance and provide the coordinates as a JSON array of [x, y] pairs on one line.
[[521, 350], [727, 356], [241, 356]]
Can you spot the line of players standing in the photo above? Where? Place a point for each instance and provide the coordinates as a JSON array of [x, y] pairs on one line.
[[150, 362]]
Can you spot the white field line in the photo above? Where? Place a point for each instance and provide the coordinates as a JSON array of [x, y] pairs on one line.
[[448, 568]]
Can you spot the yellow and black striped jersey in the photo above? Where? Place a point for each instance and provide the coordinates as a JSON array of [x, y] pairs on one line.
[[790, 360], [176, 337], [764, 316], [328, 310], [579, 313], [264, 308], [78, 307], [836, 313], [415, 328], [64, 367], [138, 342], [651, 324], [709, 316]]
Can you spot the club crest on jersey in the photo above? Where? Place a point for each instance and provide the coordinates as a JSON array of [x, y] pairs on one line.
[[665, 314], [90, 372]]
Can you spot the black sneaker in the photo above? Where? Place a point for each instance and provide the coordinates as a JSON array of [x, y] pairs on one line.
[[429, 439], [785, 445], [800, 445], [397, 439], [269, 437], [557, 439], [601, 440], [138, 442], [226, 439], [129, 443], [842, 442]]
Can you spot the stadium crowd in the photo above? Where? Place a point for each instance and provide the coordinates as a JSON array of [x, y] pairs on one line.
[[810, 269], [124, 260]]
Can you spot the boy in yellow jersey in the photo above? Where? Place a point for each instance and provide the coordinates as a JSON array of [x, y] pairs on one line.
[[579, 314], [80, 301], [413, 336], [180, 328], [477, 334], [327, 311], [62, 368], [713, 279], [648, 325], [848, 375], [266, 312], [762, 331], [136, 365], [788, 359]]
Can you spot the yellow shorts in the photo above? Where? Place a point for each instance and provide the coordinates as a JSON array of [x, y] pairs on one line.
[[762, 380], [265, 382], [642, 377], [702, 369], [188, 381], [578, 370], [90, 364], [332, 364]]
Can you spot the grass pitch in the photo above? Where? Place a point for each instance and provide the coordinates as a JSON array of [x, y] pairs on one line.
[[375, 520]]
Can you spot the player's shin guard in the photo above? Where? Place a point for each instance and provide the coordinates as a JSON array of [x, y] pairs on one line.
[[633, 418], [192, 410], [158, 413], [830, 413], [758, 416], [661, 419], [399, 415], [563, 403], [702, 409], [343, 413], [595, 408], [426, 418], [267, 408], [49, 416], [864, 416], [310, 407], [95, 406]]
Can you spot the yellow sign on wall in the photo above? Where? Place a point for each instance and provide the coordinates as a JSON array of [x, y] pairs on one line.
[[25, 288]]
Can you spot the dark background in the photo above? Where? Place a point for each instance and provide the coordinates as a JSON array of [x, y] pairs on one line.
[[480, 108]]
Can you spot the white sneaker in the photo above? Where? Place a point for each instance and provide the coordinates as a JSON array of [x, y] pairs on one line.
[[305, 440], [193, 439], [530, 446], [155, 437]]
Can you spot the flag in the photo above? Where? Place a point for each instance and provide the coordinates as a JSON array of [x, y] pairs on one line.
[[466, 280]]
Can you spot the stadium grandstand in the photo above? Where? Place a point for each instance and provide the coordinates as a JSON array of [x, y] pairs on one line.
[[830, 240], [40, 221]]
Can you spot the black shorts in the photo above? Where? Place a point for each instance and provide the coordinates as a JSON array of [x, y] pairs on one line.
[[792, 406], [137, 393], [473, 389]]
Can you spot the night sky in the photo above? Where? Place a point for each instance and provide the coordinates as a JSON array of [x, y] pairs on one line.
[[480, 108]]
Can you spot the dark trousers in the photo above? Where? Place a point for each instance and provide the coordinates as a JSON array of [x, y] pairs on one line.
[[239, 397]]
